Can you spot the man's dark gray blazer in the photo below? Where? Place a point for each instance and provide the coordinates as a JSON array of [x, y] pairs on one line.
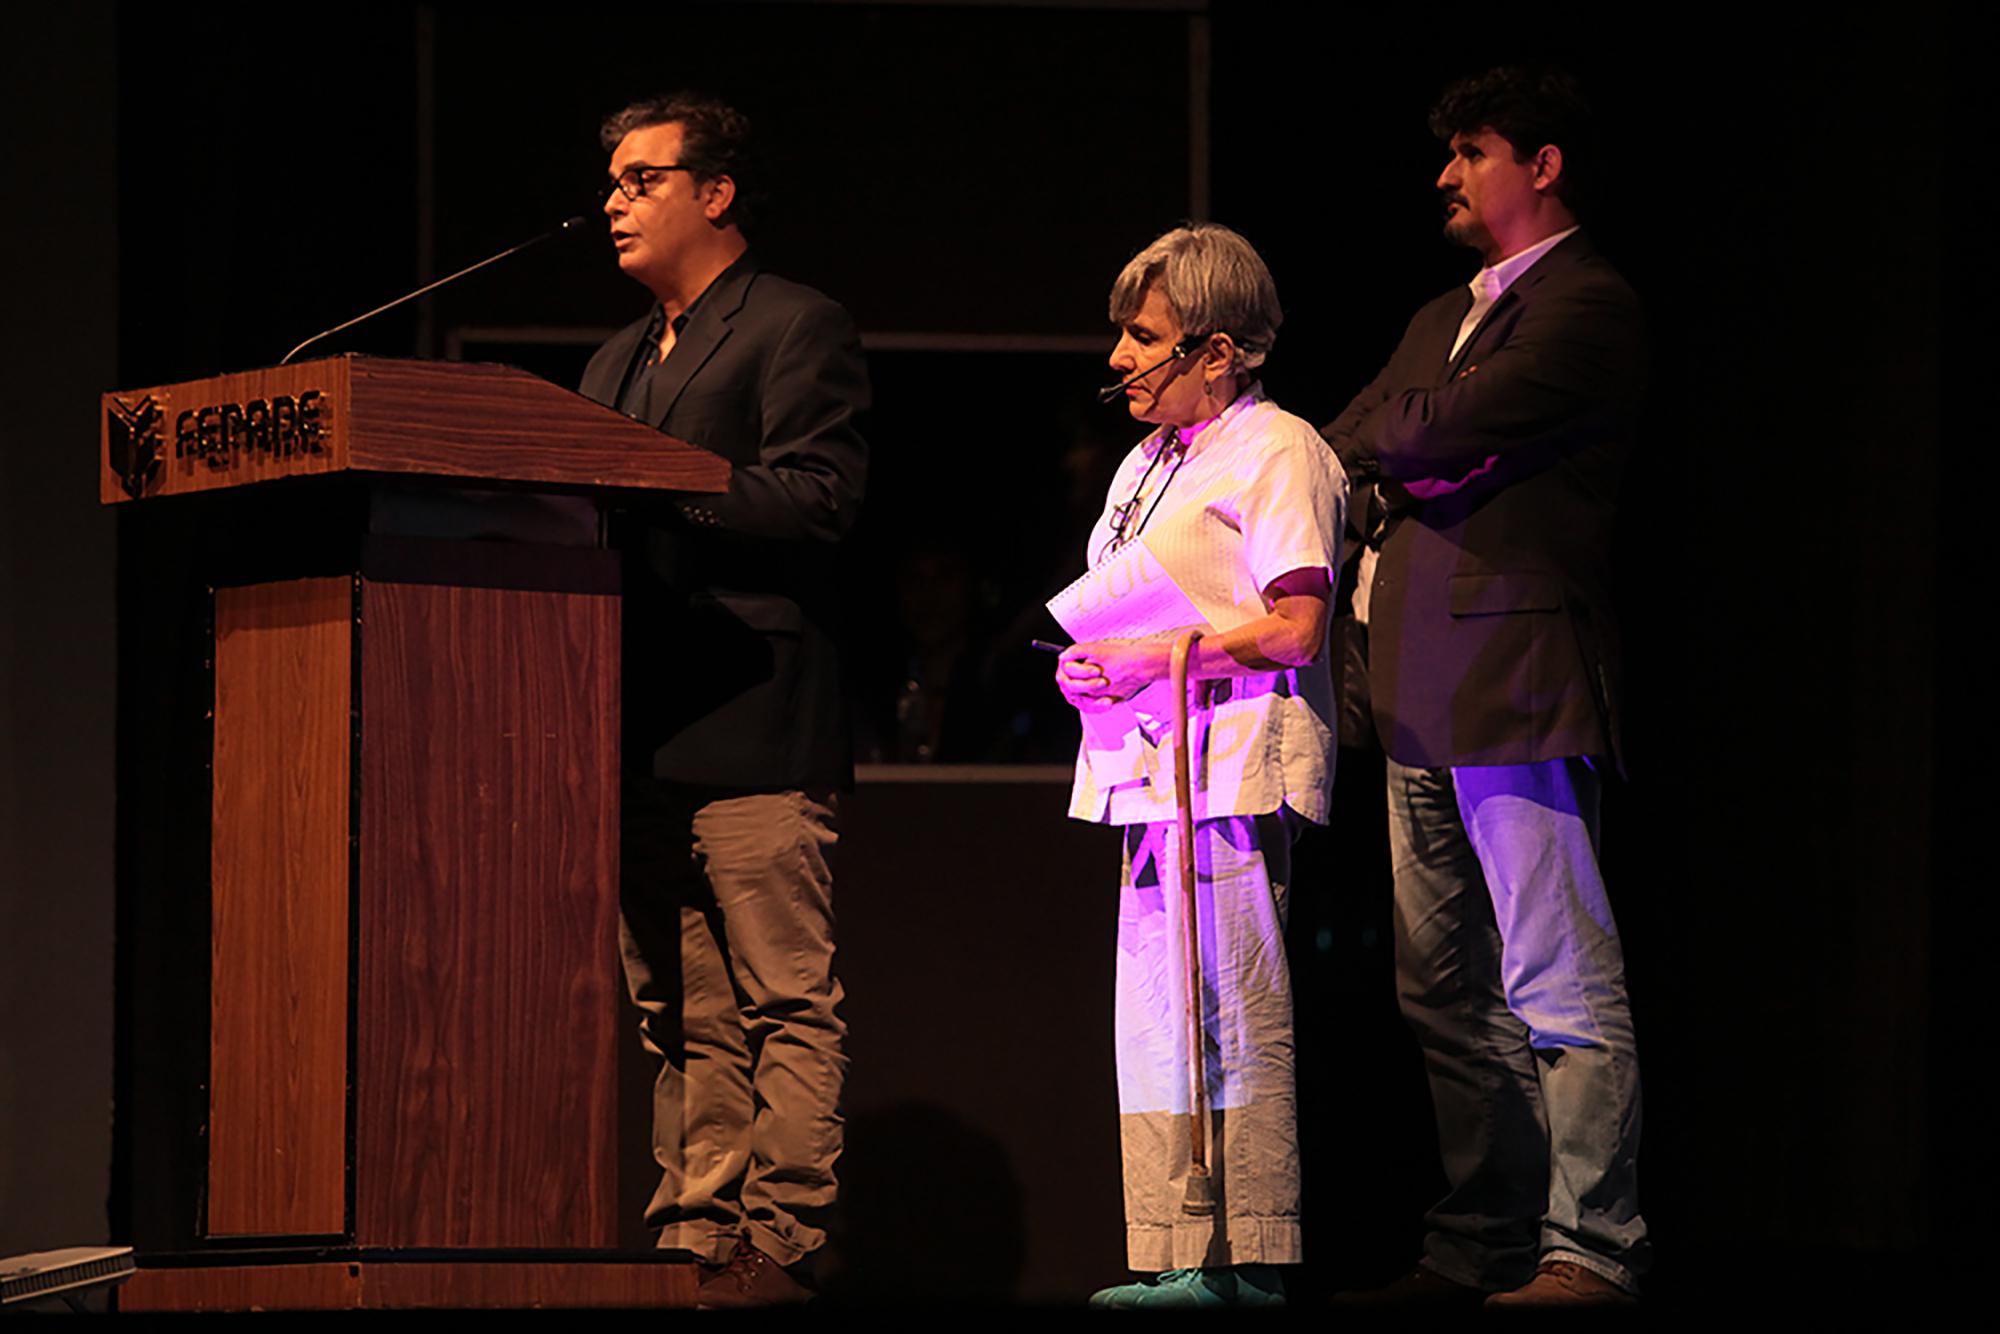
[[732, 678], [1490, 631]]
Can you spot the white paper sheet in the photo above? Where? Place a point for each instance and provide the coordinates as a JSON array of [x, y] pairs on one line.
[[1130, 596]]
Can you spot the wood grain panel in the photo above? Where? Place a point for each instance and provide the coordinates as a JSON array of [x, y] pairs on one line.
[[477, 420], [185, 473], [489, 978], [306, 1287], [279, 866], [497, 1284], [424, 418], [443, 1285]]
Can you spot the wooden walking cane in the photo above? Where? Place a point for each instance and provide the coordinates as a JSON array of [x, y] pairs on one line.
[[1200, 1197]]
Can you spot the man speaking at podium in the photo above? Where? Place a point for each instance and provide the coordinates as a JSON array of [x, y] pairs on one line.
[[736, 738]]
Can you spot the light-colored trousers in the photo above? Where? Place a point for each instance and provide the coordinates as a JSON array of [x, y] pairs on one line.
[[1242, 870], [727, 936], [1509, 971]]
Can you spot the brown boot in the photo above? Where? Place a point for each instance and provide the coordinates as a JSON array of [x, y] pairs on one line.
[[1561, 1283], [750, 1278]]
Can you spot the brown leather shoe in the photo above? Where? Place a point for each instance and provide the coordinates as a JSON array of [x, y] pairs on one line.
[[1421, 1287], [1561, 1283], [749, 1278]]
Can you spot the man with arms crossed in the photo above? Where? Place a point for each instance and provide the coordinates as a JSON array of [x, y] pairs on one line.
[[1495, 437], [736, 738]]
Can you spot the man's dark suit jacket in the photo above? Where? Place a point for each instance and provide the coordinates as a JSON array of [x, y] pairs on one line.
[[1490, 630], [731, 677]]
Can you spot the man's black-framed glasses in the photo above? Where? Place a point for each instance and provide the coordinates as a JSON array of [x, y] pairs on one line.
[[635, 180]]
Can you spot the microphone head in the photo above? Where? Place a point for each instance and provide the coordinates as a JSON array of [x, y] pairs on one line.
[[573, 224]]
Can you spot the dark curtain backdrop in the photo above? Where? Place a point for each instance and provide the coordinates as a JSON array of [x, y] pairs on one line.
[[1792, 860], [58, 351], [1773, 192]]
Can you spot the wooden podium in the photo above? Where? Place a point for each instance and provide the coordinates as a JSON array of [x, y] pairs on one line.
[[369, 1022]]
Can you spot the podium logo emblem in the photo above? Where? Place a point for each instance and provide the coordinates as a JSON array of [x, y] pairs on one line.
[[137, 443]]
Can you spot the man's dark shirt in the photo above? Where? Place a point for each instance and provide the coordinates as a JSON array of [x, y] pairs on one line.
[[635, 389]]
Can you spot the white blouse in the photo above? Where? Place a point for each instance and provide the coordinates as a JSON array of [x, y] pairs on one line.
[[1258, 495]]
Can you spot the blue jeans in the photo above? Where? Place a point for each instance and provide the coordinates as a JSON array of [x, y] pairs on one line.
[[1509, 971]]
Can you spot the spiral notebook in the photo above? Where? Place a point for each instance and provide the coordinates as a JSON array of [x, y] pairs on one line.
[[1129, 596]]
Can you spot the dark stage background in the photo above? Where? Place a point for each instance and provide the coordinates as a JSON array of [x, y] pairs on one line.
[[1792, 860]]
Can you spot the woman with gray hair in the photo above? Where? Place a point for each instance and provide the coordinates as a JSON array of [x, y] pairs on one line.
[[1228, 515]]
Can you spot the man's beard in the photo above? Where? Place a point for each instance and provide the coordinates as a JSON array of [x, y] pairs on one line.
[[1459, 229]]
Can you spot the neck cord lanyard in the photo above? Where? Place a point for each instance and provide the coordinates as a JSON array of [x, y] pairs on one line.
[[1121, 515]]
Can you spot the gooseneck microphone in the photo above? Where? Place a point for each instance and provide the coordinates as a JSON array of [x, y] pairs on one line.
[[569, 226], [1180, 349]]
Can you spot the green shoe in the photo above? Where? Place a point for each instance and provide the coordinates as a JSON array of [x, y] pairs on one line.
[[1234, 1285]]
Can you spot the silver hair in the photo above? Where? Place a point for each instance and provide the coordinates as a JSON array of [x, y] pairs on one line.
[[1214, 281]]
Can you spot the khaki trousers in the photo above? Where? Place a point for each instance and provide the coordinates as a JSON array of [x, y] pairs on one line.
[[1242, 868], [727, 936]]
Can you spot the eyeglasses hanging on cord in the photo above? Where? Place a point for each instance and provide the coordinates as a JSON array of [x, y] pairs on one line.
[[1121, 515]]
